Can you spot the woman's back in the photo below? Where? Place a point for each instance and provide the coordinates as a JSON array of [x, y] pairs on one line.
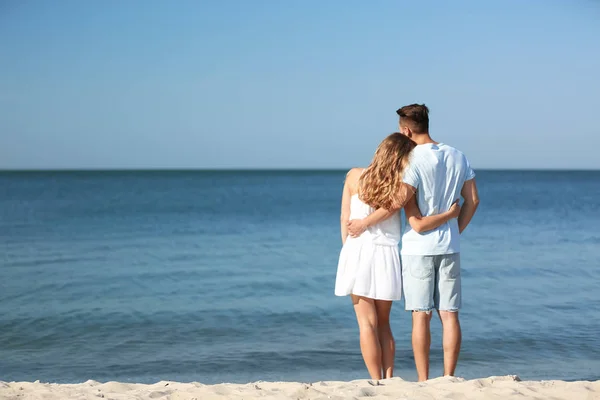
[[369, 264], [387, 232]]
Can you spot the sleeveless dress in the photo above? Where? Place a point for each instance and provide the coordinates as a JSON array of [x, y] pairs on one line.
[[369, 265]]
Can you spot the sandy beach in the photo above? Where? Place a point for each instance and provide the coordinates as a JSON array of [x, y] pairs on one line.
[[441, 388]]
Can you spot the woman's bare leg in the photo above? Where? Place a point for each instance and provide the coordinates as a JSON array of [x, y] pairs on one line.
[[386, 338], [366, 315]]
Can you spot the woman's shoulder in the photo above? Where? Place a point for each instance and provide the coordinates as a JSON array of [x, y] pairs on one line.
[[352, 178], [354, 173]]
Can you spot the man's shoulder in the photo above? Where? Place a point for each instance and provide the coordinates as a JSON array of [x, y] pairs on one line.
[[419, 153], [456, 152], [424, 153], [450, 148], [460, 161]]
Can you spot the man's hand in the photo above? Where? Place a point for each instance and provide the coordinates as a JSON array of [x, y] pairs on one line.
[[356, 227]]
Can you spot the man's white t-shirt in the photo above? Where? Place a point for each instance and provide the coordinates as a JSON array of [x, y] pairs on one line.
[[438, 172]]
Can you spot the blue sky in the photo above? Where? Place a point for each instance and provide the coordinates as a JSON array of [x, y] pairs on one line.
[[295, 84]]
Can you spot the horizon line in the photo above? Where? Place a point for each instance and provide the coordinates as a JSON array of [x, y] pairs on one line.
[[241, 169]]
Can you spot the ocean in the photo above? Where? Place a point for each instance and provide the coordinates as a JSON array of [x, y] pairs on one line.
[[228, 276]]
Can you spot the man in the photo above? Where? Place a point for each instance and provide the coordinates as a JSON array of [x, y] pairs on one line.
[[439, 174]]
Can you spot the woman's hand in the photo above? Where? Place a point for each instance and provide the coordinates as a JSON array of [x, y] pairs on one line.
[[455, 209]]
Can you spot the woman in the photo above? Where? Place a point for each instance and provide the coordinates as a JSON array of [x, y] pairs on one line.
[[369, 267]]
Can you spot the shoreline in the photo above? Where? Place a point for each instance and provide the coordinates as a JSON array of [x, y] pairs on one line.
[[396, 388]]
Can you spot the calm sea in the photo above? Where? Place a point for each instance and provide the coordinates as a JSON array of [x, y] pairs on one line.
[[228, 277]]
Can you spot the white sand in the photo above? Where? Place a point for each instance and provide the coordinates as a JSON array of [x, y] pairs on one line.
[[508, 387]]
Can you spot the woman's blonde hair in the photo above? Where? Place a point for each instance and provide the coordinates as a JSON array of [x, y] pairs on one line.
[[380, 183]]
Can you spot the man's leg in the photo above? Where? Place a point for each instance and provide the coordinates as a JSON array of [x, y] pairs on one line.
[[418, 283], [452, 337], [449, 292], [421, 342]]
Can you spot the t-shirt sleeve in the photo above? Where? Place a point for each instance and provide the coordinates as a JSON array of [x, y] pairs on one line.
[[411, 177], [470, 172]]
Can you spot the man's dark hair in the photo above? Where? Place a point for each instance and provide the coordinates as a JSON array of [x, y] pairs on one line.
[[416, 116]]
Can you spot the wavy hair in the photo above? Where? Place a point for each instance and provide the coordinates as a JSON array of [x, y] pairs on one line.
[[380, 183]]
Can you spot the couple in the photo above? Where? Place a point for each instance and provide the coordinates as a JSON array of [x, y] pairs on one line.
[[412, 171]]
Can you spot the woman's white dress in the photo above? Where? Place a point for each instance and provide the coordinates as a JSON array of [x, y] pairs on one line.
[[369, 265]]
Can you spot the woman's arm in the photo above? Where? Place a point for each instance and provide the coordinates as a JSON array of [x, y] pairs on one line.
[[345, 213], [422, 224]]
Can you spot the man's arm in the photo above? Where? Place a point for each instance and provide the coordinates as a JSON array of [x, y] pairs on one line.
[[471, 196], [357, 226]]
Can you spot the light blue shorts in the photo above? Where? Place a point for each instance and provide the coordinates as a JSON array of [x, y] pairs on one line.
[[431, 282]]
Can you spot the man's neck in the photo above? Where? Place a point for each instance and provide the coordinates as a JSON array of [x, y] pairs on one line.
[[422, 138]]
